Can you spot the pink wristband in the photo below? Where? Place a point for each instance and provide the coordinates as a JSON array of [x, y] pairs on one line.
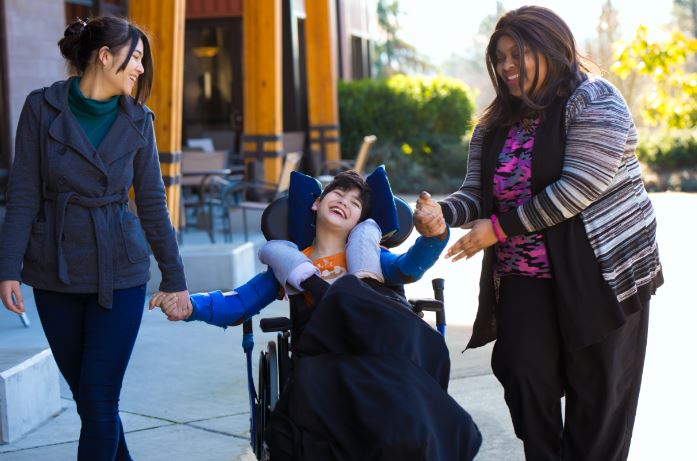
[[494, 224]]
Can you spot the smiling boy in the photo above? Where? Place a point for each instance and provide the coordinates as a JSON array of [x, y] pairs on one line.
[[346, 241]]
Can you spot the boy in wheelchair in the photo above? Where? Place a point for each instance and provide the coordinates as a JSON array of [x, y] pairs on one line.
[[346, 242], [369, 378]]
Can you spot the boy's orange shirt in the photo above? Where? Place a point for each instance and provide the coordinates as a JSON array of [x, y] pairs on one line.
[[330, 267]]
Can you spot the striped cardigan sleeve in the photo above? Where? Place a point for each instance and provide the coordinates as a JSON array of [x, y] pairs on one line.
[[598, 123], [465, 204]]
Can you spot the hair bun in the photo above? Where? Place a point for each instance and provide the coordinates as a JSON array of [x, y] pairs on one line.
[[70, 43], [75, 28]]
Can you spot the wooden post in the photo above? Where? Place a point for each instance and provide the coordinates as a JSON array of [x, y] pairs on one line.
[[163, 21], [263, 94], [322, 76]]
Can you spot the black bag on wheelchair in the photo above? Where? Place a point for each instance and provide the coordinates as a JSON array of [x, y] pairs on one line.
[[369, 381]]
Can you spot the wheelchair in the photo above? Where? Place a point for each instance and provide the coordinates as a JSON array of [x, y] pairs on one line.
[[275, 362]]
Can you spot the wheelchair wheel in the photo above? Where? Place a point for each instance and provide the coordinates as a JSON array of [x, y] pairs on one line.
[[272, 363], [283, 361], [260, 412], [267, 397]]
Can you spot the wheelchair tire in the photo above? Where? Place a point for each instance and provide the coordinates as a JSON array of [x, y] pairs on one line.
[[273, 375], [260, 408], [283, 361]]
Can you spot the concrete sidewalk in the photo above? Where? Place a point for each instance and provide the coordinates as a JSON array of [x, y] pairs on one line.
[[185, 397]]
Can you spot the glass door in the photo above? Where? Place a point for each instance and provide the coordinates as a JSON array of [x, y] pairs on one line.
[[213, 82]]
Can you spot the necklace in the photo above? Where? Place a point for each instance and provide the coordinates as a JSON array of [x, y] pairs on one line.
[[529, 124]]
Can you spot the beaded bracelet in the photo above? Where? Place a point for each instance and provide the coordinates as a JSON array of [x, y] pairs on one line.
[[494, 224]]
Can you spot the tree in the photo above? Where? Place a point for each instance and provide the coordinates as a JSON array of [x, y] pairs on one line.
[[608, 29], [602, 51], [672, 100], [394, 55], [486, 27], [471, 68], [685, 12]]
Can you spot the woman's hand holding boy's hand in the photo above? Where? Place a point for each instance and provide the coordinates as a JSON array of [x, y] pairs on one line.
[[428, 217], [176, 306]]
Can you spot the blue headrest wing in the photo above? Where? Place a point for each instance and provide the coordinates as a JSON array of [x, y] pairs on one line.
[[382, 207], [305, 189], [302, 192]]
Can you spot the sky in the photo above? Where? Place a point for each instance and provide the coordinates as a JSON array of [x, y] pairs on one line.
[[440, 28]]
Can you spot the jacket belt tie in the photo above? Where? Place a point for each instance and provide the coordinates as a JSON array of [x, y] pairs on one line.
[[105, 246]]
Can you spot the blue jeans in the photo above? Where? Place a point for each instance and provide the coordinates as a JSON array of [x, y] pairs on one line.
[[92, 346]]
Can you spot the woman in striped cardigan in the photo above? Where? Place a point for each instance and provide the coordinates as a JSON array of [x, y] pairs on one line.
[[553, 195]]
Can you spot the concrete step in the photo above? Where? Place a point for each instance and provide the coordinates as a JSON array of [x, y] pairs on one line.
[[212, 267], [29, 391]]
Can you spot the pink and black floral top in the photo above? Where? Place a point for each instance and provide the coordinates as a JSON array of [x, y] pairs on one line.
[[520, 254]]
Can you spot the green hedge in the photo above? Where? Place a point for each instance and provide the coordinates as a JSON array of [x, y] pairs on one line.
[[408, 176], [669, 151], [420, 124]]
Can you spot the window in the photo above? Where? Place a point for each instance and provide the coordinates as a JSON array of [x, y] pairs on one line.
[[212, 77], [294, 71], [360, 58], [91, 8]]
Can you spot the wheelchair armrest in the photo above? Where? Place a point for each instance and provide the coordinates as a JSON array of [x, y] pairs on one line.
[[426, 304], [275, 324]]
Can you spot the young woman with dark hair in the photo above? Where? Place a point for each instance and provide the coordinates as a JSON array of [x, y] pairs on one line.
[[553, 195], [81, 145], [85, 44]]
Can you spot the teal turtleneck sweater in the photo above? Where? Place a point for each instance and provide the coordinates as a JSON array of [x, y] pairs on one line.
[[95, 117]]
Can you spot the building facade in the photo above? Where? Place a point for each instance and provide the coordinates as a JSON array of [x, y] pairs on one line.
[[213, 92]]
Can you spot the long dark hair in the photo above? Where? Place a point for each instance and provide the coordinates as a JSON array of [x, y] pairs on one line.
[[542, 32], [82, 39]]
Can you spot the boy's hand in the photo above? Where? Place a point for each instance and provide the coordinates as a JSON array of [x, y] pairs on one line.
[[176, 306], [428, 217], [426, 203]]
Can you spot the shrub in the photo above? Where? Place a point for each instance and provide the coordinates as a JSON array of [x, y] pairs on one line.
[[669, 151], [409, 177], [420, 124]]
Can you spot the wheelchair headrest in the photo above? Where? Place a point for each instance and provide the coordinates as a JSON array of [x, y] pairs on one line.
[[274, 222], [393, 215]]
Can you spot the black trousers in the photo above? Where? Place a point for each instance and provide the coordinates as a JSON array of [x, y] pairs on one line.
[[600, 382]]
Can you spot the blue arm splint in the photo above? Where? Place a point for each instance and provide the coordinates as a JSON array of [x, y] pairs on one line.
[[230, 308], [412, 265]]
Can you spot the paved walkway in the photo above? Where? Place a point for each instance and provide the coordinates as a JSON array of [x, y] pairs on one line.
[[185, 393]]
